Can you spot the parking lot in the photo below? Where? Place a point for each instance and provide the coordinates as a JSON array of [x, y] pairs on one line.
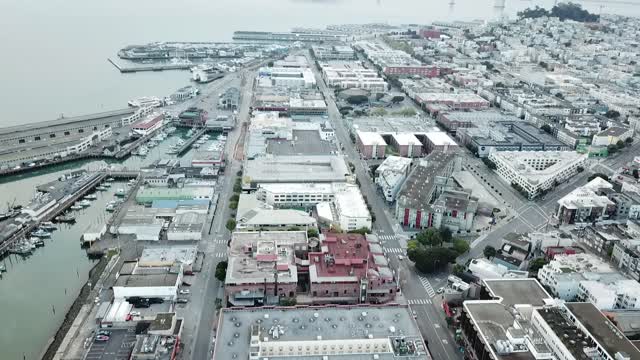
[[118, 347]]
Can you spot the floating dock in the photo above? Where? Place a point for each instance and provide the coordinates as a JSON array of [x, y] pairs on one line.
[[191, 140], [155, 67]]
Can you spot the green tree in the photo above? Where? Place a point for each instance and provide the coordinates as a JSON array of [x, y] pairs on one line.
[[357, 99], [286, 301], [231, 224], [435, 258], [233, 205], [361, 231], [547, 128], [221, 270], [612, 114], [445, 234], [612, 149], [460, 246], [458, 269], [429, 237], [234, 197], [313, 232], [629, 140], [620, 144], [537, 264], [580, 169], [489, 251]]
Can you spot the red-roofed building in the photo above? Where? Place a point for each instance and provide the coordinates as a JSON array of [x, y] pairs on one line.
[[149, 124], [349, 269]]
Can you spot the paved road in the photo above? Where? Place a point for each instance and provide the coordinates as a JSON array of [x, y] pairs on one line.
[[417, 289]]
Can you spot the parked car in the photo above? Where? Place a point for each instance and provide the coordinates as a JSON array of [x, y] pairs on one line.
[[102, 338], [141, 305], [155, 300], [400, 257], [185, 292], [104, 332], [440, 290], [135, 313], [182, 300]]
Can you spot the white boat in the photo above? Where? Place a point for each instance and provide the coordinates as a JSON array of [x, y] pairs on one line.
[[75, 207], [196, 145], [171, 129], [189, 133], [146, 101], [84, 203], [91, 197], [152, 143], [171, 151], [101, 188], [221, 137], [179, 143], [41, 233], [48, 225], [143, 151], [120, 192], [107, 185]]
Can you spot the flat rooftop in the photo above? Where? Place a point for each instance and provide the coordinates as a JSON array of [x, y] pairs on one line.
[[147, 280], [390, 125], [167, 254], [333, 329], [296, 168], [305, 142], [417, 190], [518, 291]]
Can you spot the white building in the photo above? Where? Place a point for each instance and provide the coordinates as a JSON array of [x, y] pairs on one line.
[[485, 269], [611, 136], [90, 140], [287, 77], [537, 171], [296, 194], [133, 280], [351, 210], [346, 75], [187, 226], [391, 174]]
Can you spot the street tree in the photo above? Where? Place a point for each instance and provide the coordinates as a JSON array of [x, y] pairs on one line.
[[460, 246], [429, 237], [221, 270], [231, 224], [537, 264], [435, 258], [489, 251]]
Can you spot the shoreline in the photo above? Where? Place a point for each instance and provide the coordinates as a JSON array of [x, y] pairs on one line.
[[51, 348]]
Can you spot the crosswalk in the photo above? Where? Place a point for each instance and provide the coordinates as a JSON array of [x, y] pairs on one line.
[[220, 255], [220, 242], [427, 286], [419, 301], [394, 250], [386, 237]]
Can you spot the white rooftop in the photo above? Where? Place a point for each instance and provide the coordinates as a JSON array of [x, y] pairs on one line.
[[439, 138], [585, 196], [351, 203], [371, 138]]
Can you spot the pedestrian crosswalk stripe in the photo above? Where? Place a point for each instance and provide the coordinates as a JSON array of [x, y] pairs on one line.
[[394, 250], [221, 254], [220, 241], [386, 237], [427, 286], [419, 301]]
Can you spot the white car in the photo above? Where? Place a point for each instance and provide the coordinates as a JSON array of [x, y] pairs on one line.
[[135, 313], [400, 257], [440, 290], [184, 292]]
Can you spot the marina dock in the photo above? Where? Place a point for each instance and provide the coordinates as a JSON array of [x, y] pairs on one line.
[[154, 67], [190, 142]]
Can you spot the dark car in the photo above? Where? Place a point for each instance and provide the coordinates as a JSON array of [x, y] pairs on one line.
[[182, 300], [141, 305], [155, 300]]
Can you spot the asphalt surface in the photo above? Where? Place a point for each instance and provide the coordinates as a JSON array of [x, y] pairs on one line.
[[417, 289], [118, 347]]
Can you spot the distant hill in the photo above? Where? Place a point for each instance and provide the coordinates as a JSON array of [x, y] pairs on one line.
[[563, 11]]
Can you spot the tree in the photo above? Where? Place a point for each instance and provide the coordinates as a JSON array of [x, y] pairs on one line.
[[628, 140], [547, 128], [445, 234], [612, 149], [361, 231], [234, 197], [460, 246], [458, 269], [311, 233], [429, 237], [537, 264], [580, 169], [357, 99], [600, 175], [620, 144], [559, 95], [432, 259], [221, 270], [612, 114], [233, 205], [288, 301], [231, 224], [270, 64], [397, 99], [489, 251]]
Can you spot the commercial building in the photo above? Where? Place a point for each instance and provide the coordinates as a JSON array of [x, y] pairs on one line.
[[586, 204], [294, 169], [520, 321], [453, 101], [391, 174], [348, 75], [291, 77], [167, 256], [187, 226], [429, 199], [133, 280], [439, 141], [395, 62], [299, 106], [535, 172], [282, 195], [346, 268], [612, 135], [370, 145], [144, 223], [626, 256], [484, 269], [347, 211], [508, 136], [229, 99], [263, 266], [147, 195], [193, 117], [148, 125], [454, 120], [333, 52], [335, 331], [253, 215]]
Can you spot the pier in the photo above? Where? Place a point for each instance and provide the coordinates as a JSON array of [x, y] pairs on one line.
[[190, 142], [154, 67]]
